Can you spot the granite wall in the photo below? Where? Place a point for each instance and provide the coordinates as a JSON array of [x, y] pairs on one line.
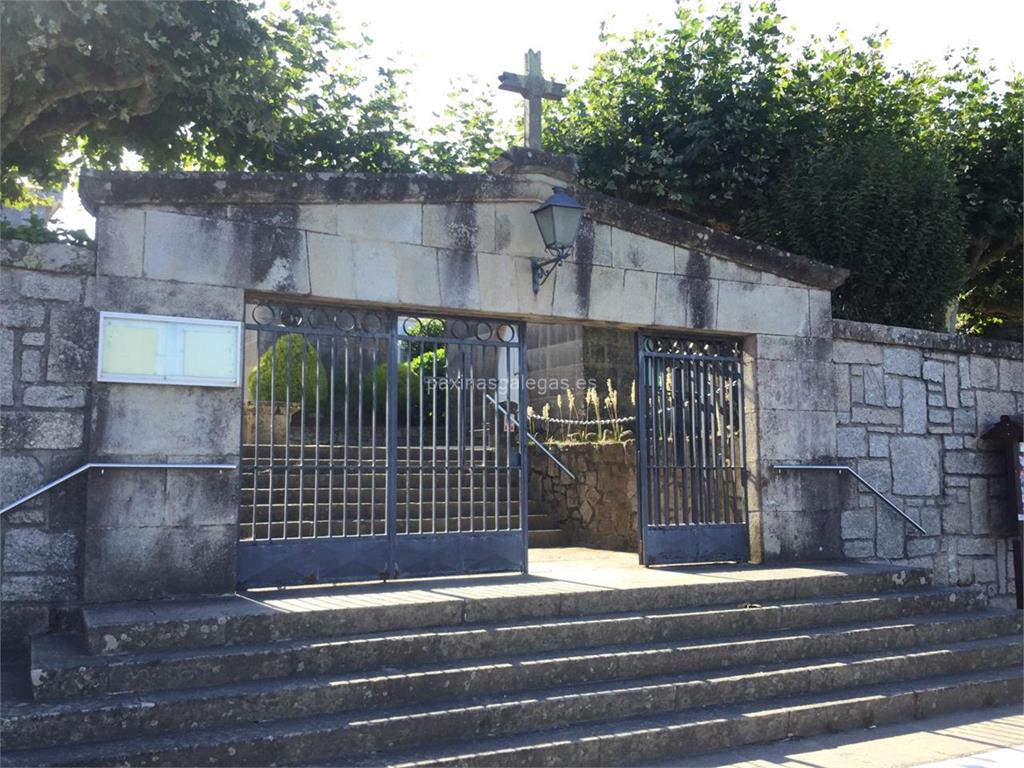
[[911, 406], [599, 507], [47, 359]]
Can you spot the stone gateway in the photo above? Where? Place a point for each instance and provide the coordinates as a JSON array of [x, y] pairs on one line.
[[380, 433], [905, 409]]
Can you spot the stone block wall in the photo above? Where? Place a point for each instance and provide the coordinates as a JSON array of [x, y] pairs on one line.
[[554, 353], [598, 508], [910, 408], [47, 361]]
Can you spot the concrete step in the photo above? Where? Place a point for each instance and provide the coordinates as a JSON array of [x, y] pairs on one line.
[[644, 740], [867, 656], [546, 537], [265, 617], [980, 672], [62, 670]]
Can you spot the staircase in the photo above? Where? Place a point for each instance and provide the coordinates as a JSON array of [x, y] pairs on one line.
[[544, 531], [546, 676], [438, 490]]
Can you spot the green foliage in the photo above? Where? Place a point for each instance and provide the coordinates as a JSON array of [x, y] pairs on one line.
[[715, 117], [468, 135], [414, 375], [209, 85], [989, 151], [888, 214], [290, 371], [36, 231], [429, 328], [691, 120], [423, 364], [202, 85]]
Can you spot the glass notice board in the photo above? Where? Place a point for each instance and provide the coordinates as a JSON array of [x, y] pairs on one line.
[[156, 349]]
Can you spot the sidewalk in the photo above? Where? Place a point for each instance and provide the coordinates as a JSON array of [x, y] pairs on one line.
[[991, 738]]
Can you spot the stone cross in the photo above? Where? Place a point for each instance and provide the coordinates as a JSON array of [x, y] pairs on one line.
[[533, 88]]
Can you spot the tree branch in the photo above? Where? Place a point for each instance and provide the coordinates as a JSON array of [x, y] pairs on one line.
[[21, 113]]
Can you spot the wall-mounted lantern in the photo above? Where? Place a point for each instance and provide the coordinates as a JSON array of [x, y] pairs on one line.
[[558, 219]]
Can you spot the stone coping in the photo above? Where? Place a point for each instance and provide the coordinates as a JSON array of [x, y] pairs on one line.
[[669, 229], [62, 258], [875, 333], [99, 188]]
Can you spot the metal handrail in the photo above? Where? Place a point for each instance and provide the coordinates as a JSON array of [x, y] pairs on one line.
[[108, 465], [844, 468], [531, 438]]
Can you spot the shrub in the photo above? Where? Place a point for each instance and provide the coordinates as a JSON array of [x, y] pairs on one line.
[[286, 358], [888, 213], [410, 374], [426, 327]]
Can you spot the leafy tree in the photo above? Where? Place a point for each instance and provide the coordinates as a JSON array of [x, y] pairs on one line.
[[692, 120], [988, 153], [468, 134], [716, 117], [203, 85], [888, 214]]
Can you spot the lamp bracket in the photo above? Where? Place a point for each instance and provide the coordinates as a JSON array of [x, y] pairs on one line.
[[542, 268]]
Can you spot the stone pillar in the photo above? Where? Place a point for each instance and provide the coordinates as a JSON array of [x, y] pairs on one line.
[[150, 532], [795, 423]]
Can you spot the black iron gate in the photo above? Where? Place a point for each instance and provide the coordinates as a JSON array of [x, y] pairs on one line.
[[376, 444], [691, 469]]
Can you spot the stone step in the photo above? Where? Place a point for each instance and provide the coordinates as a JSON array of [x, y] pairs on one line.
[[547, 537], [321, 612], [309, 529], [62, 670], [980, 672], [337, 492], [366, 519], [646, 668], [643, 740], [325, 450], [367, 511]]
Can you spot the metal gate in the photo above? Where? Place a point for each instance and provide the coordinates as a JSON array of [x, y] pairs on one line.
[[691, 468], [379, 445]]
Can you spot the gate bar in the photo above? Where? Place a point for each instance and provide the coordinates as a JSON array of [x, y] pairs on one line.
[[391, 469]]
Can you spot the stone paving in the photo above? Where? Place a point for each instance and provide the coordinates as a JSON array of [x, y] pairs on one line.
[[982, 739]]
